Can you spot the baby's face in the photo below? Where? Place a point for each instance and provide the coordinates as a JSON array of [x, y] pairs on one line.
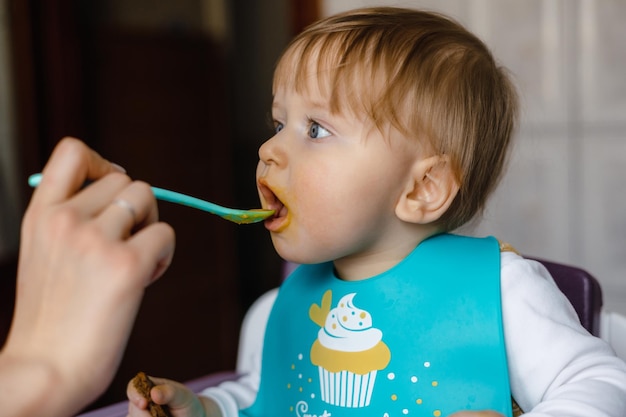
[[333, 180]]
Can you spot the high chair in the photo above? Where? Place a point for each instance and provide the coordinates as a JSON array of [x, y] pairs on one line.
[[581, 288]]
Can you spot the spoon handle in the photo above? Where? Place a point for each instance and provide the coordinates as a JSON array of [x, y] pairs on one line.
[[234, 215], [189, 201]]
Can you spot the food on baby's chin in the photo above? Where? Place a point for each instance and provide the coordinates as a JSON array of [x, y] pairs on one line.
[[143, 384]]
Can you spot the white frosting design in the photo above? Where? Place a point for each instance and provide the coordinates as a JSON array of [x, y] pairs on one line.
[[348, 328]]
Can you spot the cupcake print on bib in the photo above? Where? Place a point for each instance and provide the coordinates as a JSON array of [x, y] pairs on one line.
[[349, 351]]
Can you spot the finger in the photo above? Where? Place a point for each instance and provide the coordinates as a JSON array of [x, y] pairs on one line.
[[71, 163], [132, 208], [155, 246], [134, 397], [135, 411], [172, 393], [93, 199]]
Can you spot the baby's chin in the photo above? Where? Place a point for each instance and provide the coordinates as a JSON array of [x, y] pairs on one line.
[[294, 253]]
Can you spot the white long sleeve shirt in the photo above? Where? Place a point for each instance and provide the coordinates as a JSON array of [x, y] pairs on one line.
[[556, 368]]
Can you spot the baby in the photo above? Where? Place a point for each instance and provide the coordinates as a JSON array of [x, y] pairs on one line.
[[392, 128]]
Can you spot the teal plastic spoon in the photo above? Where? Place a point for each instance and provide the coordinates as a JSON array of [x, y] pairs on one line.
[[234, 215]]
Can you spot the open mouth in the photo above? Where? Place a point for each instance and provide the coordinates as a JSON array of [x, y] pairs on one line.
[[271, 201]]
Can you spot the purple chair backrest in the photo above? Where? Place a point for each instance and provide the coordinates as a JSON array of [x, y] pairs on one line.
[[583, 291]]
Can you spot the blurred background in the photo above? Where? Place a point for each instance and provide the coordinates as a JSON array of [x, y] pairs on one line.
[[179, 91]]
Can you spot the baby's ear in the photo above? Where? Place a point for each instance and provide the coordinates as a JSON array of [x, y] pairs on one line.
[[429, 191]]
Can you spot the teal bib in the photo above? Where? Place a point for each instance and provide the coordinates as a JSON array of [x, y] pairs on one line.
[[424, 338]]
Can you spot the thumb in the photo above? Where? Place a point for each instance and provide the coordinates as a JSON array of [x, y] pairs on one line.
[[172, 393]]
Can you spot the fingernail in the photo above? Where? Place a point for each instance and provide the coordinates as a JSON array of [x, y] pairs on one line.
[[118, 167]]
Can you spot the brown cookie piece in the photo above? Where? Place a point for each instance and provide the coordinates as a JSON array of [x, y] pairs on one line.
[[143, 384]]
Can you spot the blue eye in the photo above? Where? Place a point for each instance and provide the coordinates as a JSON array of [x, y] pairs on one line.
[[317, 131], [278, 127]]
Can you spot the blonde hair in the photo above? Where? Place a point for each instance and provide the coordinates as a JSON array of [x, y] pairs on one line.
[[425, 75]]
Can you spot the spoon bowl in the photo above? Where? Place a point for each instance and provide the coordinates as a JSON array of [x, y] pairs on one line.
[[238, 216]]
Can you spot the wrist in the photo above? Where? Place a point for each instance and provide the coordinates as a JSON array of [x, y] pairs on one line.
[[30, 386], [210, 407]]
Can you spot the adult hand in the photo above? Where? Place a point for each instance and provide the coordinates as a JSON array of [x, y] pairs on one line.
[[86, 256]]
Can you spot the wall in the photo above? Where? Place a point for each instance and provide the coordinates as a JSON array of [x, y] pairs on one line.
[[564, 197], [9, 200]]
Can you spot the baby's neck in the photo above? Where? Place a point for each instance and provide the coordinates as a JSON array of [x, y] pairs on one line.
[[365, 265]]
